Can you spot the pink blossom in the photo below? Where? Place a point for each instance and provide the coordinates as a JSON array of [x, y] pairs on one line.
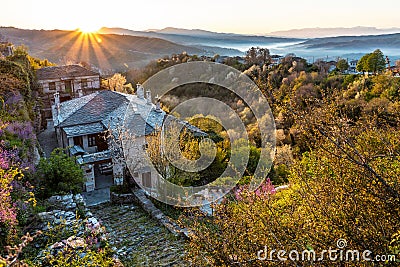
[[263, 191], [8, 213]]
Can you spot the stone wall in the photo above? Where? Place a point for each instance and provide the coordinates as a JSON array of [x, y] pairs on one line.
[[157, 214], [122, 198], [70, 216]]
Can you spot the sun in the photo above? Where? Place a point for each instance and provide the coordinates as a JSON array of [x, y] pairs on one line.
[[88, 29]]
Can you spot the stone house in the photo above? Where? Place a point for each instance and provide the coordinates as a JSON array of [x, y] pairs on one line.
[[69, 79], [353, 65], [89, 127]]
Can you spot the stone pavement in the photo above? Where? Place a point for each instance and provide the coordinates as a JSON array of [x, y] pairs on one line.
[[97, 196], [138, 239], [47, 140]]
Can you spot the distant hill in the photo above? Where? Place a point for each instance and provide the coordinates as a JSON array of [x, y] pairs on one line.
[[185, 38], [388, 41], [157, 32], [193, 32], [106, 51], [205, 38], [332, 32], [229, 43]]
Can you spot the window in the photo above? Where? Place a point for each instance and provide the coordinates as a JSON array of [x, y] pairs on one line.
[[92, 140], [84, 83], [145, 146], [78, 141], [68, 85], [146, 179], [52, 86]]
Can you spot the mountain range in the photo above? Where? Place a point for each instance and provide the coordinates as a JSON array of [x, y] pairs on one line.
[[349, 43], [118, 49], [332, 32], [202, 38]]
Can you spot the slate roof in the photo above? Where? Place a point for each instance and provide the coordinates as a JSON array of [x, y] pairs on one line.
[[73, 105], [106, 109], [96, 109], [67, 71], [94, 157], [75, 150], [137, 124], [84, 129]]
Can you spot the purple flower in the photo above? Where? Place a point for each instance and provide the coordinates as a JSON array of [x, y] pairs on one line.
[[16, 98], [7, 157], [4, 159], [28, 164], [24, 130], [4, 164]]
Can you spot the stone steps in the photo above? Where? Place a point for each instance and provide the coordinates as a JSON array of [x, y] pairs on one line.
[[138, 239]]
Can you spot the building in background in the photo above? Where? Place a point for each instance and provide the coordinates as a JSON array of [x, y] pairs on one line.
[[69, 81]]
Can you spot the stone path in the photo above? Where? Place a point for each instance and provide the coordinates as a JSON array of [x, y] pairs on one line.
[[138, 239], [96, 197], [47, 140]]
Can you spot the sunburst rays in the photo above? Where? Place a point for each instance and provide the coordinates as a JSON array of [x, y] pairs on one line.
[[82, 46]]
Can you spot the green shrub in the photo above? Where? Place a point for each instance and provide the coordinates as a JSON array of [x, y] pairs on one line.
[[58, 174]]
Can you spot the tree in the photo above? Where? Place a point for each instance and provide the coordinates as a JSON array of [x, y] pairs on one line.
[[324, 202], [257, 56], [59, 174], [320, 63], [342, 65], [116, 82], [173, 145], [362, 63], [372, 62], [376, 61], [251, 56], [264, 57]]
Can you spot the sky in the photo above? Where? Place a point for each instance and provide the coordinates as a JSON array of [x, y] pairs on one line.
[[251, 17]]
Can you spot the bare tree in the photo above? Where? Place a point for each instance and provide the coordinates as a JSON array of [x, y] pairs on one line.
[[116, 82], [398, 64]]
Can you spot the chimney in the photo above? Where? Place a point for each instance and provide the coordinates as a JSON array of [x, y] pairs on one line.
[[140, 91], [58, 114], [148, 97], [158, 108], [57, 99]]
